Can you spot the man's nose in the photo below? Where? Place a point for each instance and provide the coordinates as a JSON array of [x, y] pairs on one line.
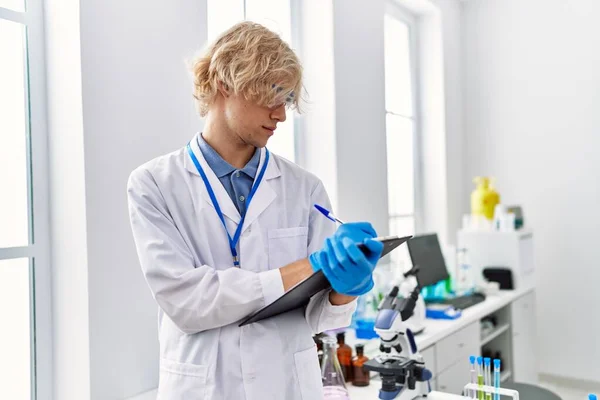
[[279, 113]]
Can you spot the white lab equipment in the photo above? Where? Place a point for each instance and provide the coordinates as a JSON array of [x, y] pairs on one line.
[[510, 250], [477, 223], [186, 260], [401, 367]]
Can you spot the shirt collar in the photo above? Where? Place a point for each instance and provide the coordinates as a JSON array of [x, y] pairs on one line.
[[252, 166], [221, 167]]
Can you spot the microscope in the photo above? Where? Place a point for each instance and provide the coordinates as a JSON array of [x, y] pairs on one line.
[[401, 367]]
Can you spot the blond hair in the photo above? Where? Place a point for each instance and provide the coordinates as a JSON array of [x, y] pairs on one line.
[[251, 61]]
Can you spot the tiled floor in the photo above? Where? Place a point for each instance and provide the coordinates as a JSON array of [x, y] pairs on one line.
[[566, 393]]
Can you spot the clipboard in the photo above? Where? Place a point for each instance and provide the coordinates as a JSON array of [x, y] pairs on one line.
[[299, 295]]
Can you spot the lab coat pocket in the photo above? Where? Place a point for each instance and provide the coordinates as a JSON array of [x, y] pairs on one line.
[[309, 374], [181, 381], [287, 245]]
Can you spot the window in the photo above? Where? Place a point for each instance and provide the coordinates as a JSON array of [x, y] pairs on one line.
[[275, 15], [24, 260], [401, 124]]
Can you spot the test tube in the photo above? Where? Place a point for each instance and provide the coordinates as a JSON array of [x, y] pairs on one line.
[[473, 392], [497, 378], [488, 376], [480, 376]]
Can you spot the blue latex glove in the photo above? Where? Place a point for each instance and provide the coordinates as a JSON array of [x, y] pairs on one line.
[[347, 268]]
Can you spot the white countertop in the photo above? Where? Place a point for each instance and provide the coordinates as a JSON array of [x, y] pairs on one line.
[[370, 392], [437, 329]]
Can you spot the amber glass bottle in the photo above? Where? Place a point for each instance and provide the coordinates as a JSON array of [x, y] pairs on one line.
[[344, 354], [360, 375]]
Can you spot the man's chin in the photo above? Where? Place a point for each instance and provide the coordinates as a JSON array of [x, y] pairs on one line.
[[260, 143]]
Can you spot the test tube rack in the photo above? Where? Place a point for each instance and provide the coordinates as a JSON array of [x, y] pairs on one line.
[[469, 388], [474, 387]]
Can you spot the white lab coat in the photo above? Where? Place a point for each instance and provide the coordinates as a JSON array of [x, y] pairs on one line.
[[185, 256]]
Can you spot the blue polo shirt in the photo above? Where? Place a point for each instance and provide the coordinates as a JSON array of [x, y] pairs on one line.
[[237, 182]]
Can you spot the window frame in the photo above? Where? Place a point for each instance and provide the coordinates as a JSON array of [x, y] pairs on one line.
[[394, 10], [38, 249]]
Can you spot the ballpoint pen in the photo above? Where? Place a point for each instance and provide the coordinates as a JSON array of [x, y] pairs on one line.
[[328, 214]]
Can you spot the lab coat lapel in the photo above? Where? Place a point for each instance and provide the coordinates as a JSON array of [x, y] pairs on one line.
[[265, 194], [227, 207]]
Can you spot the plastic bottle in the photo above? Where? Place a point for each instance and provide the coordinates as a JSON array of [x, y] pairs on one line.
[[484, 198], [499, 217], [363, 319], [464, 274], [450, 258], [360, 375], [344, 354], [334, 387]]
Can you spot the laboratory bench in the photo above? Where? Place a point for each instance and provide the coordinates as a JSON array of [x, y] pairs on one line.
[[447, 344]]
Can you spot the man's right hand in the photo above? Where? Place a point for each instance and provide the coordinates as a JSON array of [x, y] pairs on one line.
[[347, 268]]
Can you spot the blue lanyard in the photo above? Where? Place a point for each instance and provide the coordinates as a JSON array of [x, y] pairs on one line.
[[238, 231]]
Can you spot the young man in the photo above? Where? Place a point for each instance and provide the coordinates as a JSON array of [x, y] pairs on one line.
[[223, 227]]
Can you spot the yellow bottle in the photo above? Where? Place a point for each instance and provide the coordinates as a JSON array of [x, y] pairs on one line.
[[484, 198]]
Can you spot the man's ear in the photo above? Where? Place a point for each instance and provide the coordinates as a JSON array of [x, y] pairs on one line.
[[223, 89]]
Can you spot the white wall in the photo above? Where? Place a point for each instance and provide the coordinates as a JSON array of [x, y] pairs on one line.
[[532, 95], [360, 112], [457, 189], [137, 105], [68, 237], [316, 134], [136, 98]]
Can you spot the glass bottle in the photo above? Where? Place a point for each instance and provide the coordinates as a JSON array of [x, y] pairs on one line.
[[465, 281], [344, 353], [360, 375], [334, 387]]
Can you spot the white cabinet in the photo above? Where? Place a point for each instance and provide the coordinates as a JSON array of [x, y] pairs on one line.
[[454, 379], [523, 339], [451, 368], [458, 347]]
